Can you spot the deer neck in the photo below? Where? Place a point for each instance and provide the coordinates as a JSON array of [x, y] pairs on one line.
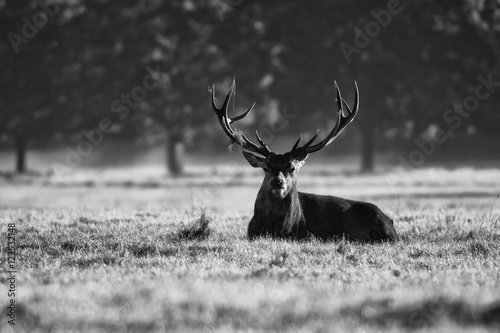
[[278, 215]]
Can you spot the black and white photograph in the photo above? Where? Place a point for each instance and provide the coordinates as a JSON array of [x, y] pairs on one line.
[[249, 166]]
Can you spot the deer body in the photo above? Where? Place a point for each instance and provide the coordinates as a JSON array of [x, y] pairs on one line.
[[322, 216], [281, 211]]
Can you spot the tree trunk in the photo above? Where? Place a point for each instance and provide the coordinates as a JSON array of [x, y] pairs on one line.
[[367, 150], [175, 152], [21, 143]]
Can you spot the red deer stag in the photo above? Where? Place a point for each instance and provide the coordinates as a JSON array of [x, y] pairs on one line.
[[281, 211]]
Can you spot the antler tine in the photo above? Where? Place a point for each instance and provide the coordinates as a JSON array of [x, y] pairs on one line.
[[311, 140], [262, 142], [235, 119], [225, 121], [356, 98], [222, 112], [297, 143], [356, 102], [339, 96], [342, 122]]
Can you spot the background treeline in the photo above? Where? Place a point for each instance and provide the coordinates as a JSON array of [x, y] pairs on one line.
[[74, 70]]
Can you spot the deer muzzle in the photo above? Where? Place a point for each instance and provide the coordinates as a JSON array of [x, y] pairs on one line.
[[278, 187]]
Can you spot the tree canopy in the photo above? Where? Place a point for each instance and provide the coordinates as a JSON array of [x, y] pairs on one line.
[[145, 65]]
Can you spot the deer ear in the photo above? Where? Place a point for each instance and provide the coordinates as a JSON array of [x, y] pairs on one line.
[[254, 160]]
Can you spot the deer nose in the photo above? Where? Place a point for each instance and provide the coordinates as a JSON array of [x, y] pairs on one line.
[[277, 182]]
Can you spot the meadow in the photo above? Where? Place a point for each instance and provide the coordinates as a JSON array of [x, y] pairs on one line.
[[134, 251]]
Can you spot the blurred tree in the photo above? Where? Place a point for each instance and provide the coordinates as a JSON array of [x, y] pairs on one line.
[[144, 65], [295, 46], [70, 65], [483, 18], [180, 31], [26, 115], [153, 50], [411, 58]]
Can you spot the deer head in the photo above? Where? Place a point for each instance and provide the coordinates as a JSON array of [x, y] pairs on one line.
[[281, 169]]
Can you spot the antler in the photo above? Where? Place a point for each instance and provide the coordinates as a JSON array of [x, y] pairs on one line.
[[342, 123], [237, 137]]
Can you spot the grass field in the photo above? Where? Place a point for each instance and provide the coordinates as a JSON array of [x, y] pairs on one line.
[[104, 253]]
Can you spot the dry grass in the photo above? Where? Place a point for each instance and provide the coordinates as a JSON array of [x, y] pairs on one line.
[[115, 257], [195, 230], [104, 271]]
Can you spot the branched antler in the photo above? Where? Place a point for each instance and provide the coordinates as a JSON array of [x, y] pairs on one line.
[[342, 122], [237, 136]]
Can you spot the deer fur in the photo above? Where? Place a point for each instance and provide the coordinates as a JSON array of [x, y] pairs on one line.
[[281, 211], [299, 215]]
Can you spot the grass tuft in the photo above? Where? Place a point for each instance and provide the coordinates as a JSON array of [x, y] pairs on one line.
[[197, 230]]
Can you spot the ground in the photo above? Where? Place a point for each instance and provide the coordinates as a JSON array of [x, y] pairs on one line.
[[110, 251]]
